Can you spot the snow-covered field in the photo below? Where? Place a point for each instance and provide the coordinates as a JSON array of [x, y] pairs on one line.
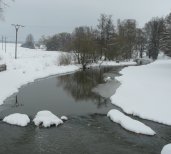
[[145, 91], [30, 65]]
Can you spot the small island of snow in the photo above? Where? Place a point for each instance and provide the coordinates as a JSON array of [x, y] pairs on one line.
[[166, 149], [46, 119], [64, 118], [17, 119], [129, 123]]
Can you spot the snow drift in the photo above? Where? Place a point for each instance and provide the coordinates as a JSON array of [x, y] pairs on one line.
[[129, 123]]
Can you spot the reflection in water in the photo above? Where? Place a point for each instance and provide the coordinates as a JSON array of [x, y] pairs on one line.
[[80, 84]]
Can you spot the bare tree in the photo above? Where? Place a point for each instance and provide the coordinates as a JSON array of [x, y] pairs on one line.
[[106, 34], [84, 45], [3, 5], [140, 41], [154, 30], [165, 40], [29, 43], [126, 38]]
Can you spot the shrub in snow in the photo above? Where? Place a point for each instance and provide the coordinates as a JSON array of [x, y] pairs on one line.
[[129, 123], [64, 118], [65, 59], [17, 119], [46, 119], [166, 149]]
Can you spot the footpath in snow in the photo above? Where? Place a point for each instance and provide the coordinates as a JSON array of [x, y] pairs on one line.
[[145, 91]]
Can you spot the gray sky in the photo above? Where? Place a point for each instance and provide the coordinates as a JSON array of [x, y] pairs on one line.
[[46, 17]]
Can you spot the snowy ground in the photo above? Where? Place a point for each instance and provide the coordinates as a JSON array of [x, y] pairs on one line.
[[145, 91]]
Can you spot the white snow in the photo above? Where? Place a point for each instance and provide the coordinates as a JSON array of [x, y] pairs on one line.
[[166, 149], [145, 91], [64, 118], [113, 63], [129, 123], [17, 119], [47, 119], [31, 64]]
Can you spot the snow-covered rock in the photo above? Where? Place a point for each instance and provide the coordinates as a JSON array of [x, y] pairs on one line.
[[46, 119], [64, 118], [17, 119], [166, 149], [129, 123], [145, 91]]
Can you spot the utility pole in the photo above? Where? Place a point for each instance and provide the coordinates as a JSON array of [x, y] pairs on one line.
[[5, 44], [16, 29], [2, 43]]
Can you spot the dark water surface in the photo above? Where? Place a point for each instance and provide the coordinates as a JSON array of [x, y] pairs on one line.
[[84, 98]]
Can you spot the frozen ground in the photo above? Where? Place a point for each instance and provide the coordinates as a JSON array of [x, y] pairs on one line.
[[129, 123], [145, 91], [17, 119]]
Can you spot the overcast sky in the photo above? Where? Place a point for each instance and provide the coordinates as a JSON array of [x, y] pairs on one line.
[[46, 17]]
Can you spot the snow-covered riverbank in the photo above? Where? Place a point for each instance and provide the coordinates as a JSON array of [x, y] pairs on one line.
[[145, 91], [30, 65]]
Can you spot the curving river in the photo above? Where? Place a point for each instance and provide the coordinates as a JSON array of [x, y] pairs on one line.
[[84, 98]]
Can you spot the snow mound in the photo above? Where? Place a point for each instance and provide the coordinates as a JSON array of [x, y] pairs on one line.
[[166, 149], [64, 118], [17, 119], [129, 123], [46, 119]]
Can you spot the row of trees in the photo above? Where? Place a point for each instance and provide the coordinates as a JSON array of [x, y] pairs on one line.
[[123, 41]]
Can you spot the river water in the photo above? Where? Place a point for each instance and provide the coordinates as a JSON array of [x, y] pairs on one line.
[[84, 98]]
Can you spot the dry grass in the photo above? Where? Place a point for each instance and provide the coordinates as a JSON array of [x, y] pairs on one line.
[[65, 59]]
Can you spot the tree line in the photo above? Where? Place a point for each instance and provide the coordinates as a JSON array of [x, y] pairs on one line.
[[107, 41]]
